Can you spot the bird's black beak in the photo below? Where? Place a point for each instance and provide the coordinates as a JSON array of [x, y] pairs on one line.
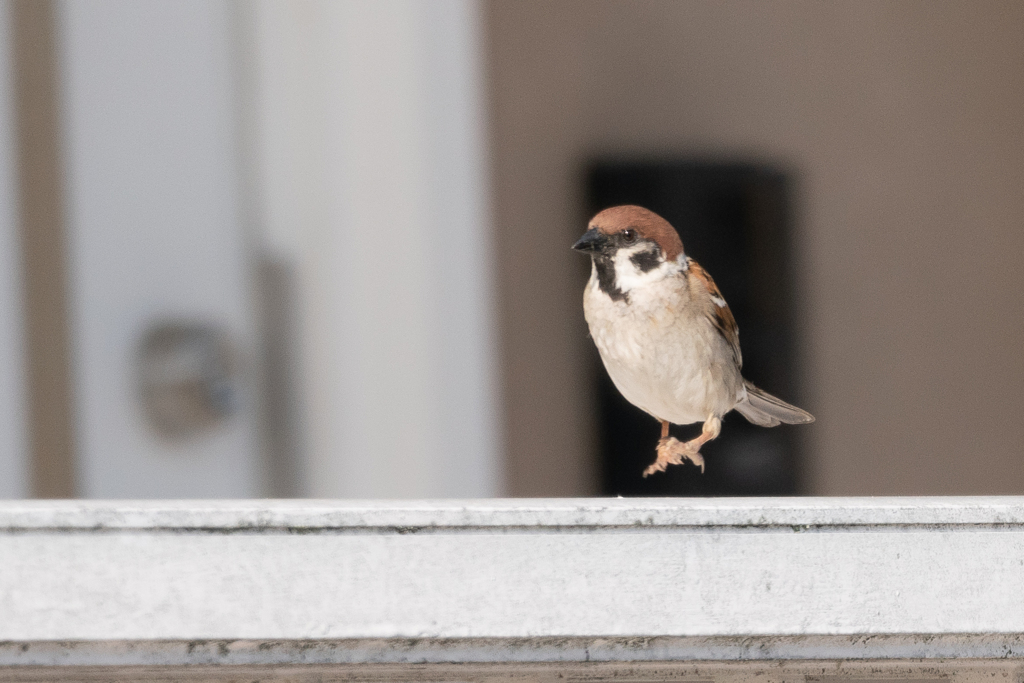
[[592, 240]]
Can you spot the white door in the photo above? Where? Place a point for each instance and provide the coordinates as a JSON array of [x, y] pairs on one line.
[[162, 312]]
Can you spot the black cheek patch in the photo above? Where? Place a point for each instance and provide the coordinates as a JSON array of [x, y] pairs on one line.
[[606, 278], [646, 261]]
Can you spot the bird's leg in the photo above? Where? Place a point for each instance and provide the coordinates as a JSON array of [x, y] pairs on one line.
[[672, 451]]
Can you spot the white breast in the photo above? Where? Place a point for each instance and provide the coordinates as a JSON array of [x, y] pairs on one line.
[[662, 354]]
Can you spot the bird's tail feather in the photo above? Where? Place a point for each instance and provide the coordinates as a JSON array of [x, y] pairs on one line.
[[765, 410]]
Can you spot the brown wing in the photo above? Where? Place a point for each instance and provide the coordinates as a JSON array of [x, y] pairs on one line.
[[718, 311]]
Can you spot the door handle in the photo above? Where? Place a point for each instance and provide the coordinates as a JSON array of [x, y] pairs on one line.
[[187, 378]]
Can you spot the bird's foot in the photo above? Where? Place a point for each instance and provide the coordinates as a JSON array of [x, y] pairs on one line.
[[672, 451]]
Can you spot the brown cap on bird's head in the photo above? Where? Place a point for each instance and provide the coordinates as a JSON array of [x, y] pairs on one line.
[[647, 224]]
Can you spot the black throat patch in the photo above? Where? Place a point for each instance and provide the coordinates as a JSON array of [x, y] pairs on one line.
[[606, 278], [646, 261]]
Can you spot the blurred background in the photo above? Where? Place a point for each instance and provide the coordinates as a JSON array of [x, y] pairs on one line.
[[321, 247]]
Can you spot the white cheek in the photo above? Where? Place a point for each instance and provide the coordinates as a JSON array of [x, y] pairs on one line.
[[628, 276]]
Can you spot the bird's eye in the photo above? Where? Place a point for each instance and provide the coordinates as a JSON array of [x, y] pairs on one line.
[[629, 235]]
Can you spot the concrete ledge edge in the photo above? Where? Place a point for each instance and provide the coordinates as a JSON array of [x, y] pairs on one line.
[[512, 650]]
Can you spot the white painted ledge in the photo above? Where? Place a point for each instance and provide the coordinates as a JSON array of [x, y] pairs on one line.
[[734, 582]]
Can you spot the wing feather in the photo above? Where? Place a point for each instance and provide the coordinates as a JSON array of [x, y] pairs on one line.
[[718, 311]]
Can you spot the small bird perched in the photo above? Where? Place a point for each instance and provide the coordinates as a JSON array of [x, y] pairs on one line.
[[665, 334]]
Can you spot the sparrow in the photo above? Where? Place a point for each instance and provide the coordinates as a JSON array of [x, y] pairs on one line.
[[665, 334]]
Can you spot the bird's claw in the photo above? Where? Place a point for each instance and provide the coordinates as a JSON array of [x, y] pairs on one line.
[[672, 451]]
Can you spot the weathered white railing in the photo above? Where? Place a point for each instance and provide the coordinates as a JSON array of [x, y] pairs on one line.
[[655, 589]]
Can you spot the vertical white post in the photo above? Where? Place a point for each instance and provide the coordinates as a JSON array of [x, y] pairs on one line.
[[373, 179], [14, 471], [155, 235]]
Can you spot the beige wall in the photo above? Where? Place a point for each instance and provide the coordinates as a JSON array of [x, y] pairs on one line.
[[904, 123]]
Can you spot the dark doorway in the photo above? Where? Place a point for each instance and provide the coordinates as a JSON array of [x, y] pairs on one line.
[[734, 219]]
